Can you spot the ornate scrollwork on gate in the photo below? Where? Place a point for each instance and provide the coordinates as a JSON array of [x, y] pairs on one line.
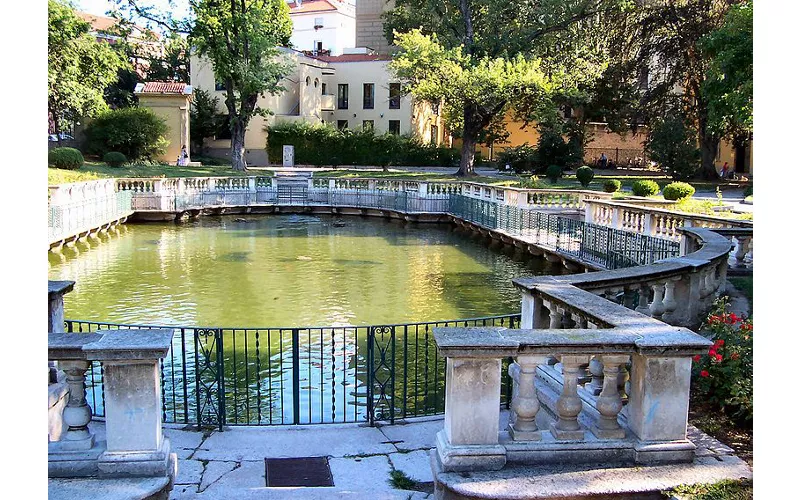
[[380, 360], [209, 377]]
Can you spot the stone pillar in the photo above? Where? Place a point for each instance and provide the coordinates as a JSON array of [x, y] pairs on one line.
[[658, 407], [135, 445], [469, 440], [525, 401], [55, 314], [657, 306]]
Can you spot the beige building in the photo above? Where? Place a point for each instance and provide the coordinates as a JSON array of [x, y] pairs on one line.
[[170, 102], [348, 91], [369, 25]]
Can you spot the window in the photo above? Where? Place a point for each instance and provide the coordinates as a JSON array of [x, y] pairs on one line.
[[308, 80], [341, 124], [324, 88], [394, 96], [434, 135], [644, 79], [318, 46], [369, 96], [344, 92], [394, 127], [368, 125], [318, 23], [316, 82], [435, 108]]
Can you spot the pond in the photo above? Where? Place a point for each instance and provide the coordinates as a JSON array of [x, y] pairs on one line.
[[254, 278]]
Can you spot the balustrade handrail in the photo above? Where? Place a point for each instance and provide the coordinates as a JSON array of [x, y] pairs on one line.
[[685, 215]]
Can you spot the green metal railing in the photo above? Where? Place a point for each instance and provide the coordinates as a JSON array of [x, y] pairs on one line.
[[601, 245], [303, 375]]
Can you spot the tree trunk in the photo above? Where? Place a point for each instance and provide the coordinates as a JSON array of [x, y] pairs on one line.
[[466, 167], [237, 145], [708, 150]]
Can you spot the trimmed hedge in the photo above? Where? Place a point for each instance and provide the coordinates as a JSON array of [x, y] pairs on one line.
[[677, 191], [326, 145], [115, 159], [553, 173], [585, 175], [66, 158], [644, 188], [612, 186]]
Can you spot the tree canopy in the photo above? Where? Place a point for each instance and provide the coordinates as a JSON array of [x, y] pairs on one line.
[[79, 67], [241, 40]]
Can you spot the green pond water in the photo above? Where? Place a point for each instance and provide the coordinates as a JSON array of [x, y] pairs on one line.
[[290, 270]]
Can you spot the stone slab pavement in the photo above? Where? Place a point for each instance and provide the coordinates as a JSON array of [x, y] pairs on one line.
[[230, 464]]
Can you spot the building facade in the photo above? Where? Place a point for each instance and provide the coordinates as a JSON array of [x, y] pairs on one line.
[[369, 25], [322, 27]]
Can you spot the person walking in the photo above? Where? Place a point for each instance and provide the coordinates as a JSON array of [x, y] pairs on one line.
[[603, 160], [184, 157]]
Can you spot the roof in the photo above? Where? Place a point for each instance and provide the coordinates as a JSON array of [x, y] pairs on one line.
[[308, 6], [99, 23], [354, 58], [175, 88]]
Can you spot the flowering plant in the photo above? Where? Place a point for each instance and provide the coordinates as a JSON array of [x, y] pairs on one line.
[[724, 375]]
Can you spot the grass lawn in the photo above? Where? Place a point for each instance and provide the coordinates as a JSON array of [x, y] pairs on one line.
[[95, 170], [412, 176]]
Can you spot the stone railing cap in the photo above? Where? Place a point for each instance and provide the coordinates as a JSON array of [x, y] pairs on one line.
[[69, 346], [474, 342], [59, 287], [130, 345], [674, 342]]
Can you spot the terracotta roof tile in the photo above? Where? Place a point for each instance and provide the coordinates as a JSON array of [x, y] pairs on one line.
[[311, 6], [163, 88], [354, 58]]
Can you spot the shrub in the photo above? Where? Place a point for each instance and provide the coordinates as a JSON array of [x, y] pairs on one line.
[[531, 182], [138, 133], [553, 150], [672, 145], [585, 175], [66, 158], [724, 375], [553, 173], [678, 191], [644, 188], [612, 186], [521, 158], [115, 159], [748, 191]]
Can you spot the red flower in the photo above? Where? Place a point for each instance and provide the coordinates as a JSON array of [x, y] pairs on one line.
[[735, 318], [712, 352], [718, 357], [704, 373], [719, 343], [735, 355], [696, 358]]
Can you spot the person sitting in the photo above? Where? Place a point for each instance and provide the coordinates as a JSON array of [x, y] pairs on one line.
[[724, 172]]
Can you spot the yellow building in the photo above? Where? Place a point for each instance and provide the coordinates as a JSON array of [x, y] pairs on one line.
[[169, 101]]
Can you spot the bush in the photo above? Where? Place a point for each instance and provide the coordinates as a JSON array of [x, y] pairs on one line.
[[748, 191], [320, 144], [553, 173], [520, 158], [115, 159], [678, 191], [138, 133], [724, 375], [585, 175], [66, 158], [553, 150], [672, 146], [531, 182], [612, 186], [644, 188]]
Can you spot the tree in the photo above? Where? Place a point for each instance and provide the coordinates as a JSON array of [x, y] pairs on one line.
[[485, 58], [172, 65], [202, 118], [78, 67], [240, 38], [672, 145], [667, 39], [728, 86]]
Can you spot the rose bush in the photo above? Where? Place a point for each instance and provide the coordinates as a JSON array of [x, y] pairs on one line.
[[724, 375]]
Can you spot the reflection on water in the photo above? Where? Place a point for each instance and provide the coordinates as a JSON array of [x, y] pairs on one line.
[[289, 270]]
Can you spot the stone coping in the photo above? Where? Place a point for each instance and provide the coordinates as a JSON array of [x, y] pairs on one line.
[[497, 342], [59, 287], [688, 215], [111, 345]]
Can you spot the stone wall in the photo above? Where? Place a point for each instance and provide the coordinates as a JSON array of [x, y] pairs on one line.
[[369, 26]]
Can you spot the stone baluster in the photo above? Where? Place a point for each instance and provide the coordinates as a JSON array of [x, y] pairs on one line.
[[644, 295], [595, 385], [628, 296], [569, 405], [657, 306], [670, 304], [742, 247], [555, 315], [609, 402], [525, 400]]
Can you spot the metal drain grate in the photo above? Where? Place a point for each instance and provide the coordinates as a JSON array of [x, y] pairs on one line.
[[306, 471]]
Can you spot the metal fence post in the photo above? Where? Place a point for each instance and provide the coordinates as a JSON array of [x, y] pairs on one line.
[[220, 379], [296, 375]]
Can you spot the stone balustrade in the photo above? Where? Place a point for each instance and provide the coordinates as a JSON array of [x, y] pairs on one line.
[[81, 210], [615, 387], [134, 445]]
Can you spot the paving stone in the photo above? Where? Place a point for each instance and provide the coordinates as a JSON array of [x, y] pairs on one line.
[[248, 475], [416, 465], [189, 472], [183, 491], [414, 436], [702, 440], [370, 473], [179, 439], [307, 441], [214, 471]]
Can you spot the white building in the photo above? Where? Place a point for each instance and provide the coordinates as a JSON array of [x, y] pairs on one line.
[[322, 26]]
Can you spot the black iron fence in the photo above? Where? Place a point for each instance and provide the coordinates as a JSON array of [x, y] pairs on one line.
[[273, 376], [605, 246]]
